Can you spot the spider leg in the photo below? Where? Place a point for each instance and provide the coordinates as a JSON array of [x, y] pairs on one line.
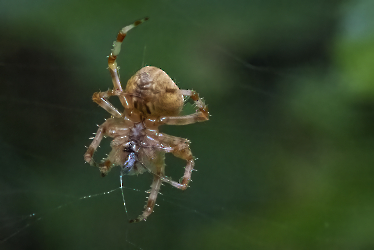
[[184, 152], [88, 156], [108, 163], [114, 128], [200, 116], [101, 99], [155, 188], [112, 64], [180, 148]]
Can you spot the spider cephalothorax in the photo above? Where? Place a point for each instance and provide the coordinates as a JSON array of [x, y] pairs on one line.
[[150, 99]]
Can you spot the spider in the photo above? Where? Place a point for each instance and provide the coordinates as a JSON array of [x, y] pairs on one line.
[[150, 99]]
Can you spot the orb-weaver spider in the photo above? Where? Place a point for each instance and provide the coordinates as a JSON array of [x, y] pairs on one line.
[[150, 99]]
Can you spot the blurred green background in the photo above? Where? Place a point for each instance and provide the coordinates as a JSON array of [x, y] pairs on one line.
[[286, 161]]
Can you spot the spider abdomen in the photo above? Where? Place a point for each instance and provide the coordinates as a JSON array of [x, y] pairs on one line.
[[154, 92]]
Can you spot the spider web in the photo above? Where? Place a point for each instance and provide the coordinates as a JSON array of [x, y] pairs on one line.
[[284, 163]]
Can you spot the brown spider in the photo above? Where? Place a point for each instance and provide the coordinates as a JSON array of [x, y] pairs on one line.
[[150, 99]]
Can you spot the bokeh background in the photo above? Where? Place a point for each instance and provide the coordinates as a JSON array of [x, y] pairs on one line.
[[286, 161]]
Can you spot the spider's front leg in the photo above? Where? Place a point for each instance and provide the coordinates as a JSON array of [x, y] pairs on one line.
[[158, 161], [88, 156], [112, 127], [201, 115], [180, 148]]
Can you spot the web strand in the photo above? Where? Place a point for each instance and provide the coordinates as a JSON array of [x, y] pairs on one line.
[[123, 196]]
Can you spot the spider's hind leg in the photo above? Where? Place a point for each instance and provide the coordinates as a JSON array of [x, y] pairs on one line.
[[199, 102], [101, 98], [201, 115], [112, 63]]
